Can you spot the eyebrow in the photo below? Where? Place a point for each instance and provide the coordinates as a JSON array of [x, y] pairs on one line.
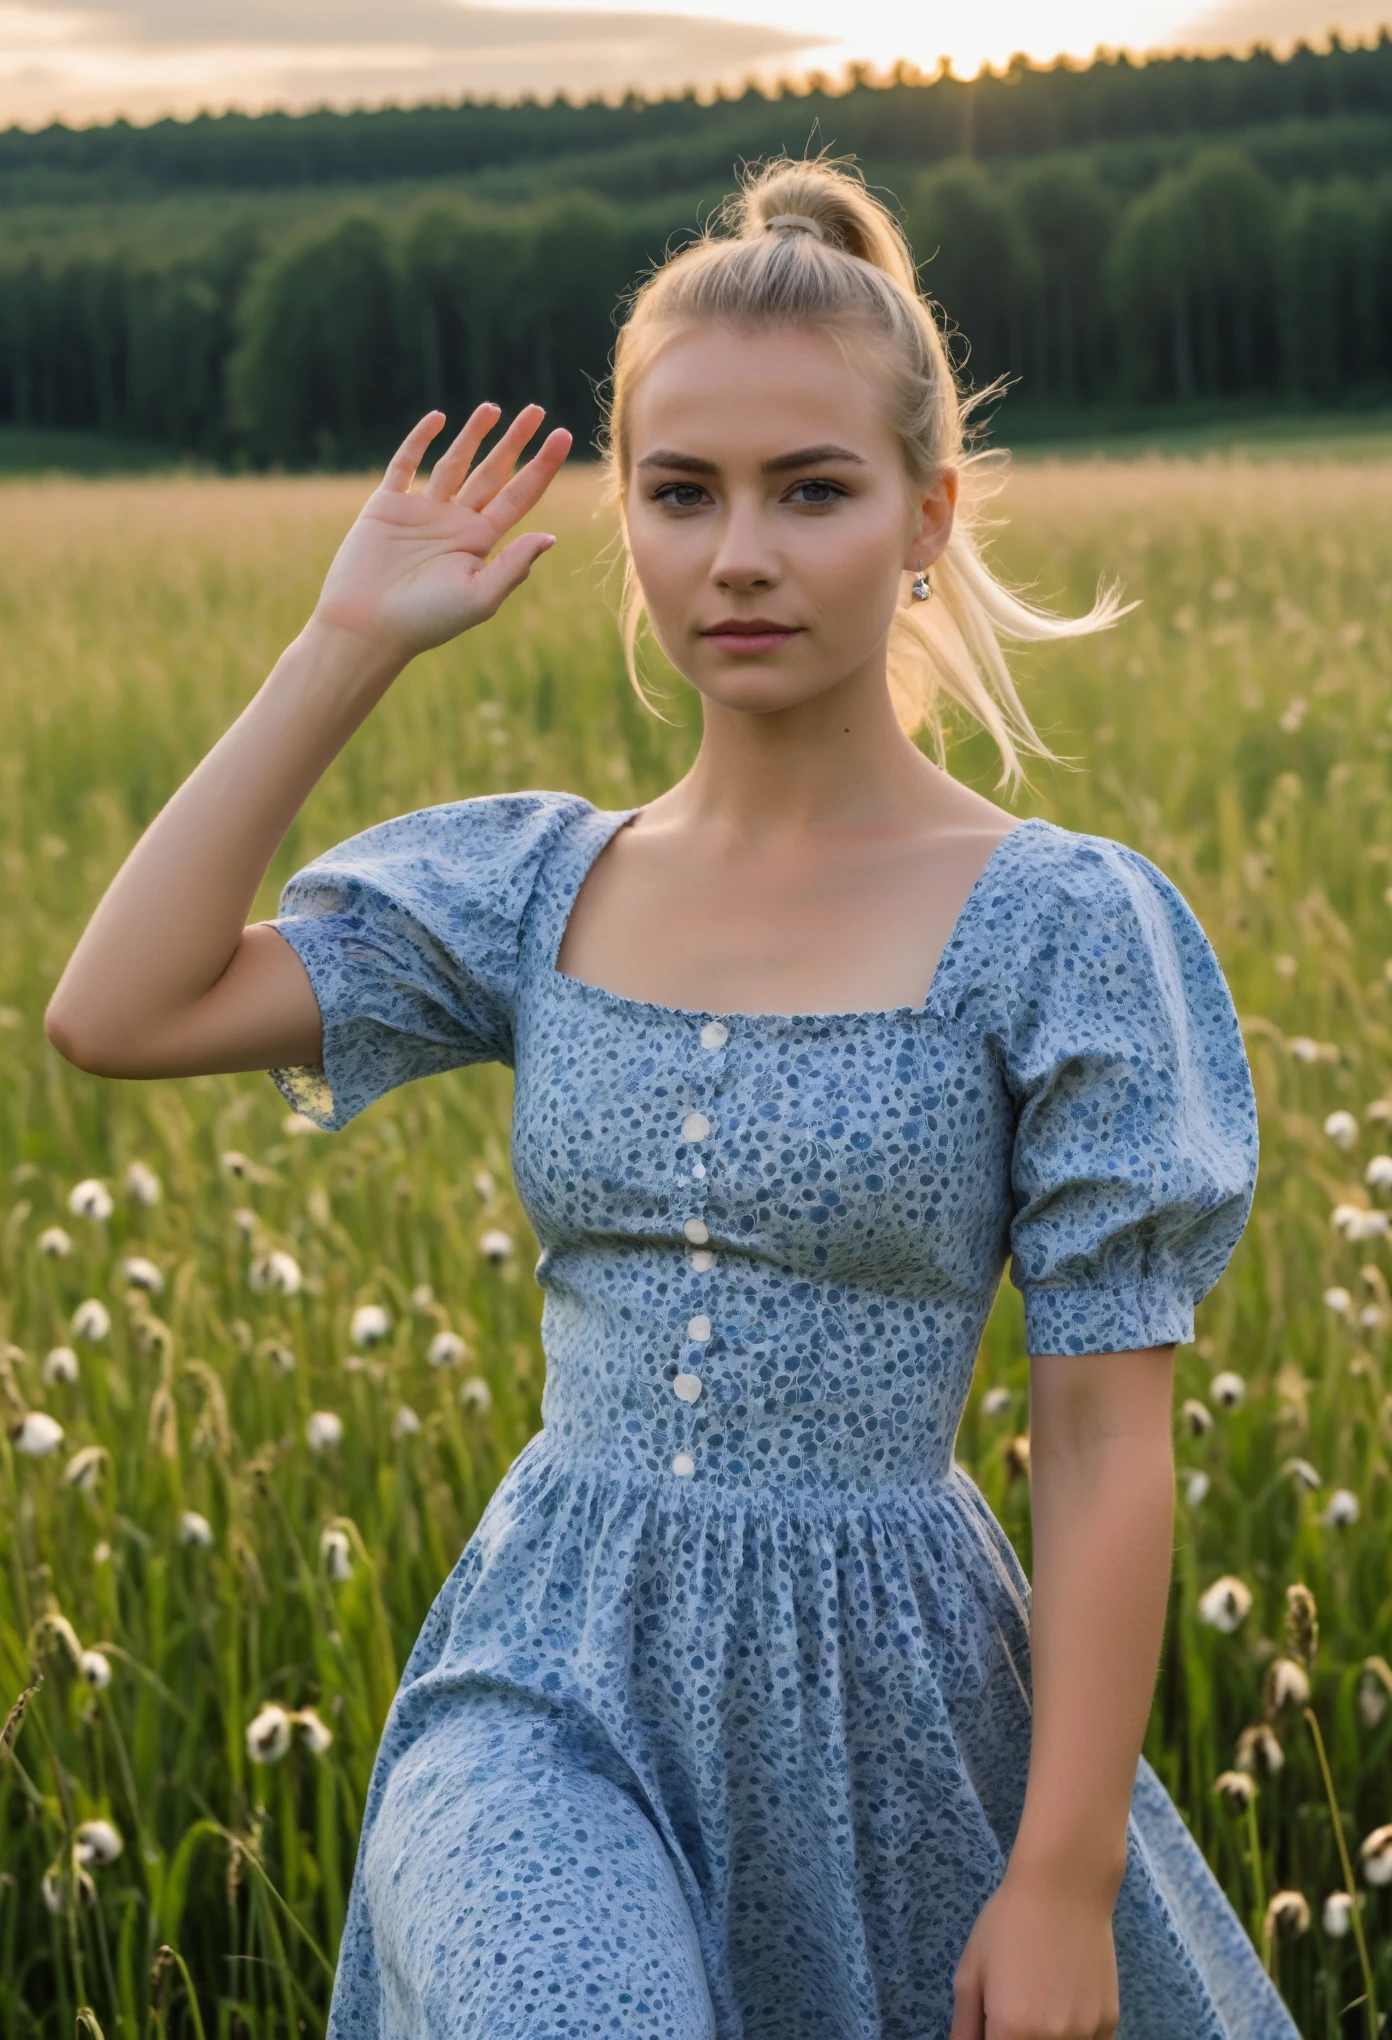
[[805, 456]]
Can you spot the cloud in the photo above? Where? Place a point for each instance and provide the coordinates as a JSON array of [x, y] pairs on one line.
[[144, 58], [1237, 24]]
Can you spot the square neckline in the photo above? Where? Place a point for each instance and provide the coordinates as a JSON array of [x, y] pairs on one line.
[[620, 818]]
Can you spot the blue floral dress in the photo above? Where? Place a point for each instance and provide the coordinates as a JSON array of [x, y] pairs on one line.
[[719, 1729]]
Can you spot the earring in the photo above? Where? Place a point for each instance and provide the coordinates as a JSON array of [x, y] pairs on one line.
[[920, 589]]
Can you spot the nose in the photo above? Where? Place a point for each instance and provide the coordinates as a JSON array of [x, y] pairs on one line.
[[744, 556]]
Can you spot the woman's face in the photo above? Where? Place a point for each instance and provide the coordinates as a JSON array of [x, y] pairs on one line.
[[769, 517]]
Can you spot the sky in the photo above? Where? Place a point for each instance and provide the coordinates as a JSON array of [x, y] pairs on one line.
[[62, 59]]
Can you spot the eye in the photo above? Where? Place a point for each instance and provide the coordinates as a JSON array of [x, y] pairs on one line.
[[680, 495], [816, 494]]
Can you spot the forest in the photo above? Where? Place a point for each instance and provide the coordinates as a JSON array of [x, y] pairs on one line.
[[290, 289]]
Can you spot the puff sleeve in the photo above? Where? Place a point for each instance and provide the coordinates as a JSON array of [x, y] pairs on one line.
[[410, 934], [1134, 1161]]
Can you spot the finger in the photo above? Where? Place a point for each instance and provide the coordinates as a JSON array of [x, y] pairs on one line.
[[495, 582], [968, 2012], [401, 468], [529, 484], [494, 469], [453, 464]]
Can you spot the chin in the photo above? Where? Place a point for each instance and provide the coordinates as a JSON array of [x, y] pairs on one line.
[[759, 689]]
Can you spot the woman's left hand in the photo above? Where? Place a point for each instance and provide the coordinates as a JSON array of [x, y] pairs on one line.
[[1040, 1964]]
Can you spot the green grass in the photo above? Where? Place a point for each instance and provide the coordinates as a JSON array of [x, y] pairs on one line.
[[1237, 728]]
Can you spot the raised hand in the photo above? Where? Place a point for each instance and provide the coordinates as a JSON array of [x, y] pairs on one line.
[[418, 566]]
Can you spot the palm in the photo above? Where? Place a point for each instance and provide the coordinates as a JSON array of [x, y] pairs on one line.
[[418, 567]]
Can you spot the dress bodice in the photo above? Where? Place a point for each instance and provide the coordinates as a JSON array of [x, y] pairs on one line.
[[770, 1242]]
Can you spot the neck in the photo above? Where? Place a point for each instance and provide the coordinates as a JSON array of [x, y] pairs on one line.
[[841, 758]]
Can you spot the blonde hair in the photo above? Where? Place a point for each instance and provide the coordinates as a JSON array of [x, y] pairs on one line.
[[807, 244]]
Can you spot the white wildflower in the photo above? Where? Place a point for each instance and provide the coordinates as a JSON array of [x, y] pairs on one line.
[[101, 1553], [297, 1123], [1303, 1048], [1287, 1685], [95, 1668], [1337, 1916], [422, 1297], [281, 1356], [1342, 1128], [324, 1431], [268, 1736], [1227, 1389], [446, 1349], [91, 1199], [1339, 1301], [996, 1402], [96, 1844], [83, 1470], [1375, 1855], [1374, 1692], [1367, 1225], [1378, 1174], [405, 1424], [91, 1320], [1371, 1317], [1196, 1486], [496, 1246], [276, 1271], [1302, 1473], [370, 1325], [235, 1164], [1198, 1417], [316, 1734], [1342, 1509], [475, 1394], [1287, 1916], [37, 1435], [1258, 1749], [1236, 1790], [195, 1531], [142, 1274], [484, 1184], [60, 1365], [1226, 1604], [336, 1554], [54, 1242], [53, 1895], [245, 1220], [143, 1184]]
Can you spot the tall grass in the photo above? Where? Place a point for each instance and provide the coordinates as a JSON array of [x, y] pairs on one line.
[[1238, 729]]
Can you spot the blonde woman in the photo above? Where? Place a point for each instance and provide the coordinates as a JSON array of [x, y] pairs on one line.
[[735, 1718]]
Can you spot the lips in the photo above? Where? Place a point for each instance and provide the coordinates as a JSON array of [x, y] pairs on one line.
[[744, 636]]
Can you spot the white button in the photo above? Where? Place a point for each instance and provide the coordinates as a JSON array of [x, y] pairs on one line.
[[687, 1387], [702, 1260], [695, 1126], [683, 1464], [699, 1329], [698, 1170], [697, 1231], [714, 1034]]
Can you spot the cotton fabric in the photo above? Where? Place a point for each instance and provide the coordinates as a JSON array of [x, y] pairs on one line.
[[719, 1729]]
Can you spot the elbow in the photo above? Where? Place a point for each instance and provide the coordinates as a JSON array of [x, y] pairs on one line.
[[68, 1038]]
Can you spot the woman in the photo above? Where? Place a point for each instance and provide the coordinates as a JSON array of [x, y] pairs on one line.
[[734, 1718]]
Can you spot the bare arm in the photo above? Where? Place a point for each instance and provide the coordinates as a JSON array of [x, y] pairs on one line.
[[167, 979], [1040, 1960]]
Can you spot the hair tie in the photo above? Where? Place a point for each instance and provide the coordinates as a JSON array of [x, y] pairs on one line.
[[798, 221]]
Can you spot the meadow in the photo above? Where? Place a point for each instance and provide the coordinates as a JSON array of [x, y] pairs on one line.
[[259, 1381]]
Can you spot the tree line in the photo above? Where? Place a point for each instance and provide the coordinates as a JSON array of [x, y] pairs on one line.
[[1024, 109], [1213, 282]]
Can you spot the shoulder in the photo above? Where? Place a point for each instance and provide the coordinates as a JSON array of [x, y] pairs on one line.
[[1072, 881], [479, 843]]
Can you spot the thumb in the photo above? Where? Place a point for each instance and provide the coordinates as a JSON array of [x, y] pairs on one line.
[[508, 569], [968, 2008]]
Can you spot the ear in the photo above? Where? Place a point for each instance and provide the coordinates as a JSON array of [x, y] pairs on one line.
[[933, 521]]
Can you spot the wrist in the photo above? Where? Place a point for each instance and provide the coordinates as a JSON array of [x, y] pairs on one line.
[[1067, 1870], [353, 656]]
